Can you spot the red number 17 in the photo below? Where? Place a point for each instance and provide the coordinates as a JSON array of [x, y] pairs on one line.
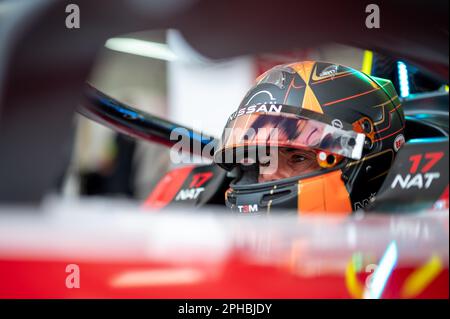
[[432, 158]]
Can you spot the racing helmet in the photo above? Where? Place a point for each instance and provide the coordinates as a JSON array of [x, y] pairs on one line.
[[352, 124]]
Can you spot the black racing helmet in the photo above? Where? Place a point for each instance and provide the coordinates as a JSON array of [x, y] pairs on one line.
[[351, 121]]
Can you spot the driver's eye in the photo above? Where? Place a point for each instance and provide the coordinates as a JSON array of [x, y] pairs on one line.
[[298, 158]]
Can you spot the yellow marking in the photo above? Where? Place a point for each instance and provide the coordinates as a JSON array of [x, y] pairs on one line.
[[384, 173], [367, 62], [371, 156], [421, 278], [354, 287]]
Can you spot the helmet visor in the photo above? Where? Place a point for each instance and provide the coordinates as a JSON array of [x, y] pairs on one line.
[[286, 130]]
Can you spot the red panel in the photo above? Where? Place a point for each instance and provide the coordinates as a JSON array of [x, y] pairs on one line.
[[443, 201], [167, 188], [232, 278]]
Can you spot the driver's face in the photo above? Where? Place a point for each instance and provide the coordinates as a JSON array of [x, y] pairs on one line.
[[291, 162]]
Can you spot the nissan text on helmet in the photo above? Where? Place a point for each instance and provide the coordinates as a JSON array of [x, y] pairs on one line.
[[313, 137]]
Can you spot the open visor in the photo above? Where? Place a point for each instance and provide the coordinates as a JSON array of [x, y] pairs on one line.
[[268, 130]]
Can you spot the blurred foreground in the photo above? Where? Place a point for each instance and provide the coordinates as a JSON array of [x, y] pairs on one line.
[[107, 249]]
